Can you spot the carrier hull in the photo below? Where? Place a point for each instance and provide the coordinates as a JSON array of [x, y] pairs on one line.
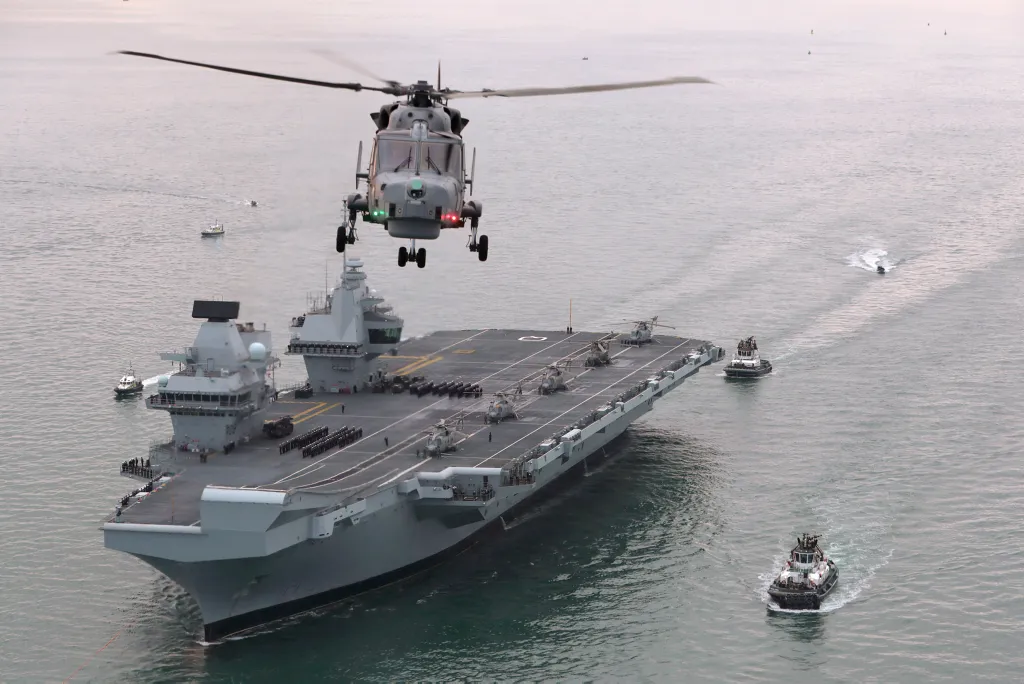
[[351, 501], [239, 595]]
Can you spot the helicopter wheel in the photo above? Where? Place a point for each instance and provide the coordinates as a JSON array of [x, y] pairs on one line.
[[481, 248], [421, 257], [342, 239], [403, 256]]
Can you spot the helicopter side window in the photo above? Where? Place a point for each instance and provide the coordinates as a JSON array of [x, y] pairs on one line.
[[442, 158], [395, 155]]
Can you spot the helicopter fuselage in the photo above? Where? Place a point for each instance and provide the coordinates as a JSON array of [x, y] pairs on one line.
[[416, 179]]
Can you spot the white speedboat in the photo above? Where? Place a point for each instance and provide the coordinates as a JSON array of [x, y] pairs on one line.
[[213, 231]]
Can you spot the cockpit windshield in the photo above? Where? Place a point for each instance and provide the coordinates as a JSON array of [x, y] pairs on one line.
[[441, 158], [395, 155]]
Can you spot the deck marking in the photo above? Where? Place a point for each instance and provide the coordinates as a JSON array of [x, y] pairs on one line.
[[417, 365], [328, 481], [412, 367], [319, 404], [314, 415], [590, 398], [409, 366]]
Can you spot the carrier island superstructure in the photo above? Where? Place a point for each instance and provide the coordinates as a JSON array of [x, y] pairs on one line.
[[397, 453]]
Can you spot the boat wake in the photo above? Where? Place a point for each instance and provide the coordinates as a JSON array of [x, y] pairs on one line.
[[871, 259], [856, 559]]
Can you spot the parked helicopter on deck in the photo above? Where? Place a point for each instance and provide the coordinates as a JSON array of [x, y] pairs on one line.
[[501, 407], [643, 332], [554, 379], [442, 439], [416, 180]]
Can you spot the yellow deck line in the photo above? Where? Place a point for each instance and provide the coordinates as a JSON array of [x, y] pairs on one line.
[[319, 404], [417, 366], [408, 366], [314, 415]]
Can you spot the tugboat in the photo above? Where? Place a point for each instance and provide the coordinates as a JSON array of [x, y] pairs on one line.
[[809, 576], [213, 231], [128, 384], [747, 363]]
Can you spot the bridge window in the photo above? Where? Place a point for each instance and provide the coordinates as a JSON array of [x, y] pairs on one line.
[[395, 155], [441, 157], [384, 335]]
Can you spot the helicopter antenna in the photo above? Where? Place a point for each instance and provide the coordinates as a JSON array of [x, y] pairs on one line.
[[439, 75]]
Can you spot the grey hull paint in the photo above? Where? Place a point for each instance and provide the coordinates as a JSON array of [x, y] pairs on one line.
[[381, 543]]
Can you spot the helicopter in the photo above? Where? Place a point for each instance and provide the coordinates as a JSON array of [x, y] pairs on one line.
[[501, 408], [442, 439], [643, 332], [416, 180], [553, 379], [598, 354]]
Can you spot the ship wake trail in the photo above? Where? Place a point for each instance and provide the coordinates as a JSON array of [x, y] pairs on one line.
[[871, 259], [963, 246]]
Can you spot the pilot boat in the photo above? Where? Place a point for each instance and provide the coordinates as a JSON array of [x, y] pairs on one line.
[[747, 363], [807, 578], [213, 231], [128, 384]]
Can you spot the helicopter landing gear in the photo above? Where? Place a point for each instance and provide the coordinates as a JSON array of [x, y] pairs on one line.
[[346, 236], [475, 245], [412, 254]]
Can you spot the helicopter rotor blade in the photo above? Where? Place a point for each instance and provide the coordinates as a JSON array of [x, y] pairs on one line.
[[341, 60], [263, 74], [532, 92]]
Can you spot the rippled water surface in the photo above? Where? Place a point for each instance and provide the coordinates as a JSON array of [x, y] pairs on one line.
[[759, 206]]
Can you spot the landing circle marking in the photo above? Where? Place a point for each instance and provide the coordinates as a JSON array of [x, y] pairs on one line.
[[532, 338]]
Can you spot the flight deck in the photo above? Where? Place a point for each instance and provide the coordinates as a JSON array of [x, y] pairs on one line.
[[396, 423]]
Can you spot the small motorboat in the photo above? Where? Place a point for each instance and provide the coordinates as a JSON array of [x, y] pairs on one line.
[[128, 384], [214, 230], [747, 363], [252, 203], [880, 269], [807, 578]]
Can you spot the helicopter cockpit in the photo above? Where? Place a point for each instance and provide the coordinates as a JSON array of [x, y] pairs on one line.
[[395, 155], [439, 157]]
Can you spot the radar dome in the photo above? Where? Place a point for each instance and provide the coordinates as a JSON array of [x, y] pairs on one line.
[[257, 352], [162, 380]]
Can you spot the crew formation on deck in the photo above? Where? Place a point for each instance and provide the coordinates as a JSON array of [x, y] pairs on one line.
[[339, 438], [137, 467]]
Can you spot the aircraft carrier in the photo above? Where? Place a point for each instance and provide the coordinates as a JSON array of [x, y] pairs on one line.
[[394, 455]]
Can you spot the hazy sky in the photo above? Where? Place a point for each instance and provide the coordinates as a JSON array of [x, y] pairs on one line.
[[578, 16]]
